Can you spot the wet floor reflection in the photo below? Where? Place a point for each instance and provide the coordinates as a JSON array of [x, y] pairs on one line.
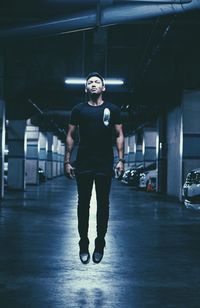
[[151, 257], [90, 298]]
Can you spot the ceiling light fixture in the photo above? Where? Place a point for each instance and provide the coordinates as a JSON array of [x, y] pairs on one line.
[[75, 81], [78, 81]]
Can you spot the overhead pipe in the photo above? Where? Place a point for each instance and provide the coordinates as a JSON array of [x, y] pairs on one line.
[[156, 1], [137, 11], [109, 15]]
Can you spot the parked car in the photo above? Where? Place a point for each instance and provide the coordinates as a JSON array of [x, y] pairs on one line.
[[191, 190], [134, 177], [131, 176], [42, 176], [148, 180]]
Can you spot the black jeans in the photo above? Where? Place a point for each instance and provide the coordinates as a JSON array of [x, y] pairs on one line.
[[102, 186]]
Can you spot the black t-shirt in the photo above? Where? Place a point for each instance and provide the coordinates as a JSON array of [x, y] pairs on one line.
[[95, 151]]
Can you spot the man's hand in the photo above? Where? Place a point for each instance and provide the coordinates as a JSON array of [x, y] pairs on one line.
[[120, 168], [69, 171]]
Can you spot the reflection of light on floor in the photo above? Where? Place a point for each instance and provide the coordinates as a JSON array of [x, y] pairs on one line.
[[74, 236], [92, 221], [92, 285], [86, 276]]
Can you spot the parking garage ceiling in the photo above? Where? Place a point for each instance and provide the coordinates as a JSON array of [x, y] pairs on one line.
[[153, 45]]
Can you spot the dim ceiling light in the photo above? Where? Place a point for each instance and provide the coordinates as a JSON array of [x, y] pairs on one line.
[[82, 81]]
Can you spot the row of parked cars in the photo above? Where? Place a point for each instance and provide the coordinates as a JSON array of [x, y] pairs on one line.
[[141, 177], [146, 178]]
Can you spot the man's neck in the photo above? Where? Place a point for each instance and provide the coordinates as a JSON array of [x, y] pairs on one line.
[[95, 101]]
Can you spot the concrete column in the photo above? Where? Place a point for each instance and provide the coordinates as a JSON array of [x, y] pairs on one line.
[[2, 74], [49, 169], [139, 154], [126, 151], [191, 132], [149, 145], [55, 146], [132, 150], [16, 154], [62, 157], [32, 158], [43, 151], [162, 154], [183, 140], [174, 152], [2, 145], [59, 158]]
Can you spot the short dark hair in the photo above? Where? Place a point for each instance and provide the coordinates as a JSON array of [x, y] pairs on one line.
[[95, 74]]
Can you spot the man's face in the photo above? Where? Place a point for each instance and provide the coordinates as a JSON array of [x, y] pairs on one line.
[[94, 85]]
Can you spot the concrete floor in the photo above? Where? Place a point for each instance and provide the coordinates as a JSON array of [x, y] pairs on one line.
[[152, 258]]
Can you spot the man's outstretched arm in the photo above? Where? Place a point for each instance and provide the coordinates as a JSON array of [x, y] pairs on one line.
[[120, 146], [69, 170]]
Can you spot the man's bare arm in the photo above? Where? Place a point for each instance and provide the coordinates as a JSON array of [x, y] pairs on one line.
[[119, 140], [69, 170], [120, 146]]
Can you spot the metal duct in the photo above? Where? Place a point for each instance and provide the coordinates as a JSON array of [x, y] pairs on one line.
[[155, 1], [110, 15]]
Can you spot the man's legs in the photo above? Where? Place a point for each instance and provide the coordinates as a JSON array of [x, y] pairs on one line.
[[84, 186], [102, 186]]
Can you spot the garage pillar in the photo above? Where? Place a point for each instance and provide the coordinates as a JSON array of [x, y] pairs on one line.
[[183, 141], [43, 151], [191, 132], [49, 169], [139, 158], [32, 157], [2, 74], [126, 151], [16, 154], [149, 145], [55, 153], [59, 158], [62, 157], [132, 150], [162, 154], [174, 152], [2, 145]]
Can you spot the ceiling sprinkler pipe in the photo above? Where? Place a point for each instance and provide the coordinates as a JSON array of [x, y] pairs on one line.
[[156, 1], [137, 12], [109, 15]]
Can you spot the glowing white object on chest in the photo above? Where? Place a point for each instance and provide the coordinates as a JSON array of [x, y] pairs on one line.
[[106, 116]]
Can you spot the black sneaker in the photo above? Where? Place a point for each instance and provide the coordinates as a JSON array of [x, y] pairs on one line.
[[84, 251], [99, 250]]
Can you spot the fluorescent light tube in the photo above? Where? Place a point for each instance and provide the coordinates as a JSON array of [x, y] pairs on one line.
[[75, 81], [82, 81]]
